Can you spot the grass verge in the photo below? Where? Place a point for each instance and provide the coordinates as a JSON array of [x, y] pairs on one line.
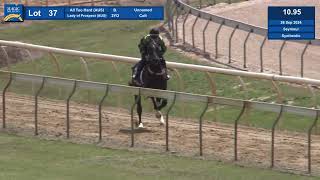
[[33, 159]]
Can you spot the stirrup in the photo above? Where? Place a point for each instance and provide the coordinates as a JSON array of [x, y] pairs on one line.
[[136, 82]]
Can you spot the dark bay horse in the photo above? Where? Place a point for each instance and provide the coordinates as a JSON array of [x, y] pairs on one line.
[[153, 75]]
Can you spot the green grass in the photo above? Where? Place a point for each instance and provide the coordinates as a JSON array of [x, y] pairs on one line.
[[34, 159], [121, 38]]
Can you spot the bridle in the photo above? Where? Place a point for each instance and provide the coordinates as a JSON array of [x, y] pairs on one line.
[[155, 58]]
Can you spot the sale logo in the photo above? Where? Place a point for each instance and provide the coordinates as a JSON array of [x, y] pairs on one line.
[[13, 13]]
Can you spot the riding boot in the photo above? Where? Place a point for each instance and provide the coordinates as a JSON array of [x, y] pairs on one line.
[[166, 74], [136, 70]]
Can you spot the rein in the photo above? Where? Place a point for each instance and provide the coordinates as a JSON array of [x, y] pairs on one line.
[[153, 73]]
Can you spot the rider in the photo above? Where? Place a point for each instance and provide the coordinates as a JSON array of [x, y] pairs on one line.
[[143, 46]]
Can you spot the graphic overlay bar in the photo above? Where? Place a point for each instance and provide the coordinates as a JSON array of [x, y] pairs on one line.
[[86, 13], [291, 23]]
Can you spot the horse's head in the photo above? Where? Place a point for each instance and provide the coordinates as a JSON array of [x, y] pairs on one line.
[[154, 59], [153, 50]]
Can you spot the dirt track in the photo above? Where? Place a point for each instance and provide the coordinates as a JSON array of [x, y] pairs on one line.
[[254, 144], [254, 12]]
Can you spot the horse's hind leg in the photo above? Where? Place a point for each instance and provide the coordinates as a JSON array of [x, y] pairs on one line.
[[162, 103], [157, 106], [139, 111]]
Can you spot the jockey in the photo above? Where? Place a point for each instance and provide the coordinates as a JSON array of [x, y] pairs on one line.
[[143, 46]]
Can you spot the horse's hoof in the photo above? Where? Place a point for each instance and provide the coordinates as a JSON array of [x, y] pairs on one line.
[[158, 114], [161, 120], [160, 117], [140, 125]]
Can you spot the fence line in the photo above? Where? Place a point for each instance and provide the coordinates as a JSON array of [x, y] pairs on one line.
[[181, 7], [171, 95], [174, 65], [229, 22]]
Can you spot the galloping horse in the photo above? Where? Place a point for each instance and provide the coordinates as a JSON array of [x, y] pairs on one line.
[[153, 75]]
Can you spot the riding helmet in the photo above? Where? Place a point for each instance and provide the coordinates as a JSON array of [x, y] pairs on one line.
[[154, 32]]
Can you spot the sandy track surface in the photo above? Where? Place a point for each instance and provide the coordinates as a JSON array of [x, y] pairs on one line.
[[254, 144], [254, 12]]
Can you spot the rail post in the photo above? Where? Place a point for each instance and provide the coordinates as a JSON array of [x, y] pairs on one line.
[[36, 106], [168, 12], [273, 133], [309, 139], [243, 86], [137, 99], [100, 113], [35, 69], [244, 106], [209, 100], [200, 4], [212, 84], [213, 91], [7, 60], [176, 24], [302, 58], [167, 120], [184, 28], [172, 21], [314, 96], [87, 75], [261, 53], [68, 107], [245, 49], [4, 100], [280, 57], [278, 91], [217, 35], [204, 35], [194, 24], [86, 72], [117, 71], [181, 87], [57, 64], [230, 41]]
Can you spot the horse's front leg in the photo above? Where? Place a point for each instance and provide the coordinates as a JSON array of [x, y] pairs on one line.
[[139, 111]]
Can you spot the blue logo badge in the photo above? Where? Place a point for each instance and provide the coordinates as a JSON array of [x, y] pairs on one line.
[[13, 13]]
